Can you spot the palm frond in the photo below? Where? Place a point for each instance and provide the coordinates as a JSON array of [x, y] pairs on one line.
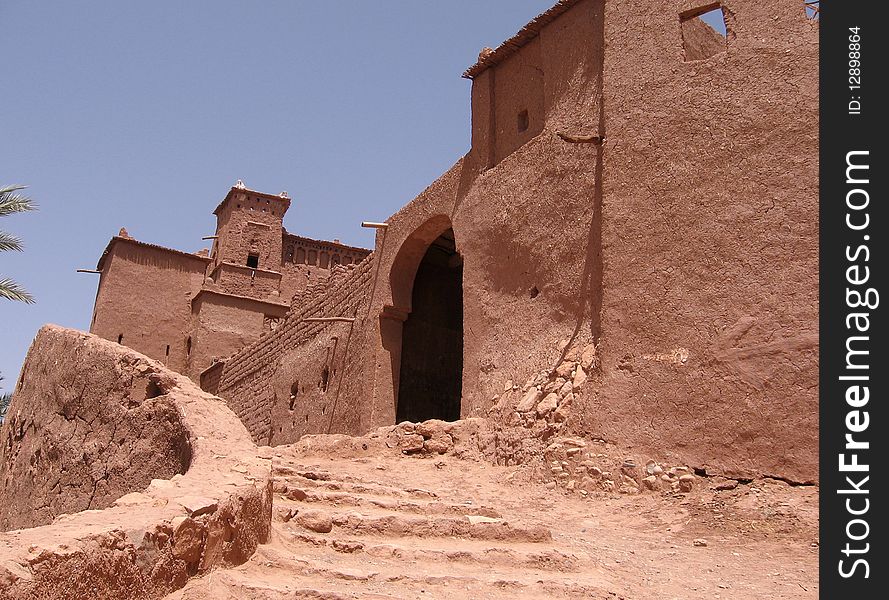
[[10, 242], [13, 202], [11, 290], [5, 401]]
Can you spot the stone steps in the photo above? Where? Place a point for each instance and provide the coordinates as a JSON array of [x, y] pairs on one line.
[[450, 527], [524, 555], [383, 522], [355, 488], [348, 537], [394, 504], [272, 576]]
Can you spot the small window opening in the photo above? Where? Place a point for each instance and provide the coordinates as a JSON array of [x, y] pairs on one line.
[[167, 353], [120, 339], [294, 391], [325, 379], [703, 32], [253, 261], [188, 346], [523, 121]]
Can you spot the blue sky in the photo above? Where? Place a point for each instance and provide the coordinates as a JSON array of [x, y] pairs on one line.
[[143, 114]]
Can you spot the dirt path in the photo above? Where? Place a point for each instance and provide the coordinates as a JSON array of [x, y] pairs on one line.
[[403, 527]]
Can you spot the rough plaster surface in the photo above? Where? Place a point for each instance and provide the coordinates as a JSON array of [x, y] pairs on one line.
[[147, 543], [78, 439], [710, 241]]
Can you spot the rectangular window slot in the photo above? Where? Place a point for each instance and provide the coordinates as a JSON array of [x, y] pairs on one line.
[[253, 261], [523, 121], [813, 9], [704, 32]]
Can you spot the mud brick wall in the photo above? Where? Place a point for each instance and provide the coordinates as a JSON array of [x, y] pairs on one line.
[[246, 382]]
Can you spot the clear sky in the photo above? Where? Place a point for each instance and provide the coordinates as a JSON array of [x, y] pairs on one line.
[[143, 114]]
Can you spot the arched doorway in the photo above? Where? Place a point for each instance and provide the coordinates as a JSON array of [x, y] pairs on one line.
[[430, 380]]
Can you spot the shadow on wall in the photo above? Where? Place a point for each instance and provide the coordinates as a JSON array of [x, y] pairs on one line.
[[591, 290], [547, 194], [591, 277]]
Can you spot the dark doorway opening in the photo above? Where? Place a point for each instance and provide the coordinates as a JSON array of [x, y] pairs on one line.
[[431, 379]]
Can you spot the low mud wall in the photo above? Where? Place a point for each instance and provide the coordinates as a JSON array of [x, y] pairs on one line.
[[86, 427], [94, 425]]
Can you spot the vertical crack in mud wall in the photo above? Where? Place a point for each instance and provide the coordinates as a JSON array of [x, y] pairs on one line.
[[83, 431]]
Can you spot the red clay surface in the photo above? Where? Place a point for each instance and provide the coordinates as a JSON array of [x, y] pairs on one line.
[[389, 526]]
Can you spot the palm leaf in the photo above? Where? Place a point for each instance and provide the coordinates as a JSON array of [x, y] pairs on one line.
[[13, 202], [9, 242], [5, 401], [10, 290]]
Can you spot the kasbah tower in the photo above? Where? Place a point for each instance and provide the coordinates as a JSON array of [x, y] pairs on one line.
[[628, 252], [189, 310]]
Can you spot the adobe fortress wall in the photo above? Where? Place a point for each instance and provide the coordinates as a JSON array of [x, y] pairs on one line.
[[710, 238], [83, 431], [684, 246]]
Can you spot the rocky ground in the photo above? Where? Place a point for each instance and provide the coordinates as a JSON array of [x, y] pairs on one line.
[[348, 525]]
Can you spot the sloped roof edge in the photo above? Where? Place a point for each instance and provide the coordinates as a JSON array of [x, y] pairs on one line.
[[524, 35]]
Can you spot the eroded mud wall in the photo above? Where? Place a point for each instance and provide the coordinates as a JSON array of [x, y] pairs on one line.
[[104, 421], [306, 377], [710, 231], [86, 426]]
